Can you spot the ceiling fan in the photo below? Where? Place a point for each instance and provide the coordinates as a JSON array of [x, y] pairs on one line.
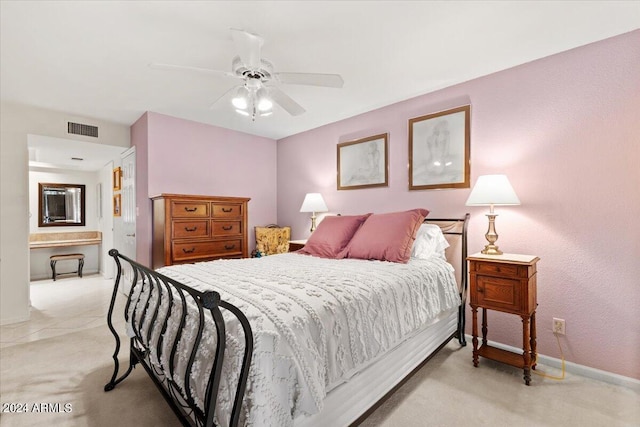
[[257, 94]]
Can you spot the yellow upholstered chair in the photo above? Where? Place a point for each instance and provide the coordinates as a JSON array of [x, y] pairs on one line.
[[272, 239]]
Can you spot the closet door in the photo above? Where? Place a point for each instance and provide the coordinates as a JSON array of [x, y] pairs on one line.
[[128, 237]]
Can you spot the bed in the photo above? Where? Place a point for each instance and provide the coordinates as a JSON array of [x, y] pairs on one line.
[[290, 339]]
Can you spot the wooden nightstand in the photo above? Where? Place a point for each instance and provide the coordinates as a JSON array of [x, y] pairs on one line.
[[294, 245], [505, 283]]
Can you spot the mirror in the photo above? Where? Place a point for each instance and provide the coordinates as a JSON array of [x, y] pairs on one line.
[[60, 204]]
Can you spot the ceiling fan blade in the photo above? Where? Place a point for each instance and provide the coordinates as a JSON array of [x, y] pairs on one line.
[[311, 79], [213, 104], [159, 66], [285, 101], [248, 46]]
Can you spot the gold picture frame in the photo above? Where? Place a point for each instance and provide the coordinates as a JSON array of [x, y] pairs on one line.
[[117, 205], [439, 146], [117, 179], [363, 163]]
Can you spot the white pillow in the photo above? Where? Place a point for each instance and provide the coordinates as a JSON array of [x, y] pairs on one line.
[[429, 242]]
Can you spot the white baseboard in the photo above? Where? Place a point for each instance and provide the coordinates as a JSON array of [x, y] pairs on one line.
[[576, 369], [12, 320]]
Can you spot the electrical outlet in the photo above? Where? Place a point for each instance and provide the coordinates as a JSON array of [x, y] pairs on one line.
[[558, 326]]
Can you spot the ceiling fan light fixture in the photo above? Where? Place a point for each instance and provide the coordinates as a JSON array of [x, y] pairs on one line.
[[243, 112], [240, 101], [264, 103]]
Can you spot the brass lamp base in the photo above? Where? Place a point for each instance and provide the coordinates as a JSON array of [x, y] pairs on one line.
[[491, 236], [313, 221], [491, 250]]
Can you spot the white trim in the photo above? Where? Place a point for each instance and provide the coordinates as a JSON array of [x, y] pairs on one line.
[[576, 369], [12, 320]]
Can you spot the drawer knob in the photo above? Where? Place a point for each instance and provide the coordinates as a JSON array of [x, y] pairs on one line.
[[188, 251], [227, 210], [227, 227], [480, 290], [229, 247], [190, 229], [190, 209]]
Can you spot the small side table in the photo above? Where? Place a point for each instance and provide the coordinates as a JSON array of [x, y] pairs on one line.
[[504, 283], [295, 245]]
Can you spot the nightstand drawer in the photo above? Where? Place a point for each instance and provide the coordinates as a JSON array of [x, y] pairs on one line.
[[499, 294], [500, 269], [296, 245]]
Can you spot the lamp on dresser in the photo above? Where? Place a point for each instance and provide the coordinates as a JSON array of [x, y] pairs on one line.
[[313, 202], [492, 190]]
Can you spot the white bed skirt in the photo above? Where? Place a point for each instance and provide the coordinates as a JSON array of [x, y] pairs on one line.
[[348, 401]]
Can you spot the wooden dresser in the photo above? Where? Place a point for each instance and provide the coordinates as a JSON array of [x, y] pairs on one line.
[[190, 228]]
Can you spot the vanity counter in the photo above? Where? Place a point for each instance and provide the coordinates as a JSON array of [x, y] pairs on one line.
[[56, 240]]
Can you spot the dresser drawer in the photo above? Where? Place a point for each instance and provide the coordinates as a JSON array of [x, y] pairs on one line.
[[189, 210], [498, 293], [227, 210], [210, 249], [189, 229], [496, 268], [226, 228]]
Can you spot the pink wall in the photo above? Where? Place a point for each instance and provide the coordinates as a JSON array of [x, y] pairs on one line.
[[186, 157], [566, 131]]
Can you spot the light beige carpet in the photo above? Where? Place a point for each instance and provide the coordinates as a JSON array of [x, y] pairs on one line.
[[448, 391]]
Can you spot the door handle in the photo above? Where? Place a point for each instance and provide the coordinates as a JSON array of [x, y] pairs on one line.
[[131, 235]]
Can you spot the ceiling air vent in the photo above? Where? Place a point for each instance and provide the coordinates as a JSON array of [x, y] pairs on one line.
[[80, 129]]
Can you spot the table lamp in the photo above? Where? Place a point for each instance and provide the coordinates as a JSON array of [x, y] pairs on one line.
[[313, 202], [492, 190]]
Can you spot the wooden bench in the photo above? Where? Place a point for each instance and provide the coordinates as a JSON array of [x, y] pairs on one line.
[[55, 258]]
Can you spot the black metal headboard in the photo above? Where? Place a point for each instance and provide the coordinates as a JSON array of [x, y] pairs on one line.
[[452, 227]]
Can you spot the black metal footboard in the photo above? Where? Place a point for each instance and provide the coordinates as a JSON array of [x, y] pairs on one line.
[[160, 314]]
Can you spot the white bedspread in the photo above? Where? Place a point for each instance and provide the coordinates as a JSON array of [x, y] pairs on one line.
[[316, 322]]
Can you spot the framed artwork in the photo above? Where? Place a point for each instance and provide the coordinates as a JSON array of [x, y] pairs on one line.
[[363, 163], [439, 150], [117, 179], [117, 205]]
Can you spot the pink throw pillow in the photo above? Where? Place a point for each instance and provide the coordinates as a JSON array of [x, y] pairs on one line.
[[386, 237], [332, 235]]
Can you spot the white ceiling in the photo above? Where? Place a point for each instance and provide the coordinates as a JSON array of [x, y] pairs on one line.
[[46, 152], [91, 58]]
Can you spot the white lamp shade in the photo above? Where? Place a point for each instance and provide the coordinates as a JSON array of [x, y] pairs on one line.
[[313, 202], [264, 103], [492, 190]]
